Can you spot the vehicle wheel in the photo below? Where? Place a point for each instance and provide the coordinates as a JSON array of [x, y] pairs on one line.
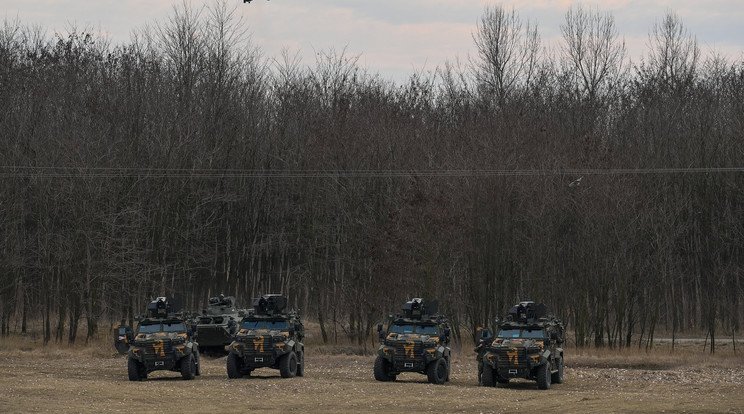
[[135, 370], [288, 365], [234, 364], [447, 360], [198, 364], [382, 370], [557, 377], [437, 371], [301, 364], [188, 367], [487, 376], [543, 376]]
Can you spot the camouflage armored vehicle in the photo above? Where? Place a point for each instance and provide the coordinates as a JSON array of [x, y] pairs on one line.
[[268, 337], [526, 345], [415, 341], [217, 325], [162, 342]]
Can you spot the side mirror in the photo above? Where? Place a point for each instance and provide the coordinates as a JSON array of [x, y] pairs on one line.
[[485, 333], [380, 332], [379, 327]]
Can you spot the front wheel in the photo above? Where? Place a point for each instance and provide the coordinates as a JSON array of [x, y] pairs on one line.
[[557, 376], [288, 365], [543, 376], [437, 371], [487, 376], [188, 367], [382, 370], [301, 364], [135, 370], [198, 364], [233, 366]]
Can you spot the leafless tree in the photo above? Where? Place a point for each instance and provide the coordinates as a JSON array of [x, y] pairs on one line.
[[592, 50], [507, 51], [673, 53]]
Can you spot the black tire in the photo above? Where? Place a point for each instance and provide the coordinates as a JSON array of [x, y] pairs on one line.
[[234, 365], [557, 377], [188, 367], [437, 371], [198, 363], [135, 370], [382, 370], [543, 376], [449, 369], [288, 365], [488, 376], [301, 364]]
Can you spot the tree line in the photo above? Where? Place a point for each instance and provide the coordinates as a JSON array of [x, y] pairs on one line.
[[186, 164]]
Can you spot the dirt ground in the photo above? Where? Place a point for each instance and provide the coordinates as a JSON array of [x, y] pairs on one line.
[[74, 381]]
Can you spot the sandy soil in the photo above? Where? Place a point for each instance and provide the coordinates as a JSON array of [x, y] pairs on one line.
[[70, 381]]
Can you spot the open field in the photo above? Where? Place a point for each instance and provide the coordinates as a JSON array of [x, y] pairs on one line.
[[94, 379]]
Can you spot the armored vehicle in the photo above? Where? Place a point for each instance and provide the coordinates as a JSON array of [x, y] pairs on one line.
[[528, 344], [162, 342], [268, 337], [415, 341], [216, 325]]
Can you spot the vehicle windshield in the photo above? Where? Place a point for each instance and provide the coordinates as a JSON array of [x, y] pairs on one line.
[[271, 325], [150, 328], [521, 333], [174, 327], [418, 329]]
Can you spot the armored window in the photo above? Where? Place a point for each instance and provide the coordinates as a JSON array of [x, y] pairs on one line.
[[252, 325], [174, 327], [508, 333], [149, 328], [533, 333], [402, 328], [277, 325], [427, 330]]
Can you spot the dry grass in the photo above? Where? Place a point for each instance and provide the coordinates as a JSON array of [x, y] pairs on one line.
[[688, 355], [94, 379]]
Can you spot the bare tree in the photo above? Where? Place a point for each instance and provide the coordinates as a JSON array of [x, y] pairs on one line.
[[673, 53], [592, 50], [507, 50]]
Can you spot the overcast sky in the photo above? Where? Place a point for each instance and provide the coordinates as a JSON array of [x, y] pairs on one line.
[[394, 38]]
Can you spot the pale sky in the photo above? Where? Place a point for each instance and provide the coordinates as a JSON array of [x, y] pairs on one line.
[[393, 38]]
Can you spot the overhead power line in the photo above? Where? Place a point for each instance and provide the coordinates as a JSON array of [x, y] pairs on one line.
[[155, 173]]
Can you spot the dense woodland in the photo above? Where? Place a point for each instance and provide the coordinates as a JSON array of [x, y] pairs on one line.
[[187, 164]]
